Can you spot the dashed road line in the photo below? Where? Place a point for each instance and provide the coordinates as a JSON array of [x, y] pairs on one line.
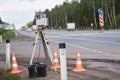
[[82, 47]]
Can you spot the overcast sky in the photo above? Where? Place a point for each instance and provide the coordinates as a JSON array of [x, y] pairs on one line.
[[20, 12]]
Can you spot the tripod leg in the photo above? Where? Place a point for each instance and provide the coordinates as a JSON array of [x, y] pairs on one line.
[[33, 53], [47, 51]]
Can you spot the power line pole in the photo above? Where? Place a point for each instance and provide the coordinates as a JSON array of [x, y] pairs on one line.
[[94, 14], [66, 15], [114, 14], [102, 4], [108, 14]]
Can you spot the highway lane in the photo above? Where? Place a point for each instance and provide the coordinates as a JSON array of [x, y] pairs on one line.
[[107, 42]]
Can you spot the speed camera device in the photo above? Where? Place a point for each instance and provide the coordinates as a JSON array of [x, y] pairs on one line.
[[41, 20]]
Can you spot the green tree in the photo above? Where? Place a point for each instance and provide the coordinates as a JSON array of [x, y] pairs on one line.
[[29, 24], [1, 21], [85, 13]]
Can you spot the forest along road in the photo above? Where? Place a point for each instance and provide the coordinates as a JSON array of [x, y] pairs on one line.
[[99, 52]]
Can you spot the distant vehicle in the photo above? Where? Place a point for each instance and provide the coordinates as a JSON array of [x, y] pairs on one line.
[[34, 27], [29, 30], [70, 26]]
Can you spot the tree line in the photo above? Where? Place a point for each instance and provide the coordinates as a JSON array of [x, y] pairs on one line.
[[84, 13], [1, 22]]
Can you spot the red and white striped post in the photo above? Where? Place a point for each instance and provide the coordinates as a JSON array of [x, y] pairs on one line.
[[101, 20]]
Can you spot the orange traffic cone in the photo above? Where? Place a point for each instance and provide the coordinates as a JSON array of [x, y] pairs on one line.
[[55, 60], [15, 69], [79, 67]]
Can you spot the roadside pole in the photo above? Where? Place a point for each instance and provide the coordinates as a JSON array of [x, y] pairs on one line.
[[1, 38], [8, 65], [101, 19], [63, 64]]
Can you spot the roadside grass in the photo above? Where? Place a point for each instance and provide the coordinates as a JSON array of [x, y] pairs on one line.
[[8, 34], [5, 75]]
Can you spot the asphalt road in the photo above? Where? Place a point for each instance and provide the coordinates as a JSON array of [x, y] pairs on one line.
[[107, 42]]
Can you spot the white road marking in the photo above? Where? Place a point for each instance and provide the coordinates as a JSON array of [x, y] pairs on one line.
[[94, 40], [65, 36], [82, 47]]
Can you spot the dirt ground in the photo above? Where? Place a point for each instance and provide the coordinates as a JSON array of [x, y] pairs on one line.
[[96, 68]]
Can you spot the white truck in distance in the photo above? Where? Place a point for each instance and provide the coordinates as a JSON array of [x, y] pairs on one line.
[[70, 26]]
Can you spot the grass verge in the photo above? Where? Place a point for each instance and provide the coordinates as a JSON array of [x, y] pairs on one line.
[[5, 75]]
